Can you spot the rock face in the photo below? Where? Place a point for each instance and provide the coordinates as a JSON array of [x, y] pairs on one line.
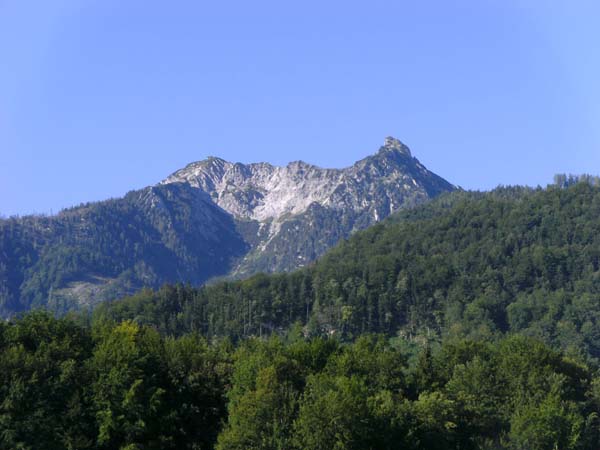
[[264, 192], [300, 210], [210, 219]]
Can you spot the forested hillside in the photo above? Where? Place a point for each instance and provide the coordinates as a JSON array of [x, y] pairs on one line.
[[99, 251], [514, 260]]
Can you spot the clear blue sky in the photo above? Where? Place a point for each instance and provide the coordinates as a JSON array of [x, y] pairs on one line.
[[101, 97]]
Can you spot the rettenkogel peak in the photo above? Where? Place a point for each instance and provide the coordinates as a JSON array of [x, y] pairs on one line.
[[392, 144]]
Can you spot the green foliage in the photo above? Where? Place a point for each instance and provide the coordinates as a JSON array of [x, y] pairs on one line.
[[516, 394], [126, 386], [64, 386], [335, 415], [129, 405], [44, 385]]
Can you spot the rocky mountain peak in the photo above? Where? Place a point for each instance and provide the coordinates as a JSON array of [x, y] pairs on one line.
[[391, 144], [263, 192], [218, 218]]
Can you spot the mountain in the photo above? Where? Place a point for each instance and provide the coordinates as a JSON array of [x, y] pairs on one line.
[[210, 219], [293, 214]]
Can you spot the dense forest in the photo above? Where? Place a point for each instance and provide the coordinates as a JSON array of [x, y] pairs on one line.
[[477, 265], [125, 386], [469, 323]]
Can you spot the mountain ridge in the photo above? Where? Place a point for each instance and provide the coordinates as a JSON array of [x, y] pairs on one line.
[[364, 193], [212, 218], [214, 176]]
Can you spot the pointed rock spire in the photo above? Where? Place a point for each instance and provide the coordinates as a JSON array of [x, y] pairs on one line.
[[393, 144]]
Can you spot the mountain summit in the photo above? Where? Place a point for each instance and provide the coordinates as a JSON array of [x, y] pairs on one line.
[[392, 144], [300, 210], [212, 218], [381, 184]]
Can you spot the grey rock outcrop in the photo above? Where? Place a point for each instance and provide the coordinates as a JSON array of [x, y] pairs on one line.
[[300, 210]]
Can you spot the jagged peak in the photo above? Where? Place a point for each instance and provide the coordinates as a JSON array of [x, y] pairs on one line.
[[393, 144], [391, 148]]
